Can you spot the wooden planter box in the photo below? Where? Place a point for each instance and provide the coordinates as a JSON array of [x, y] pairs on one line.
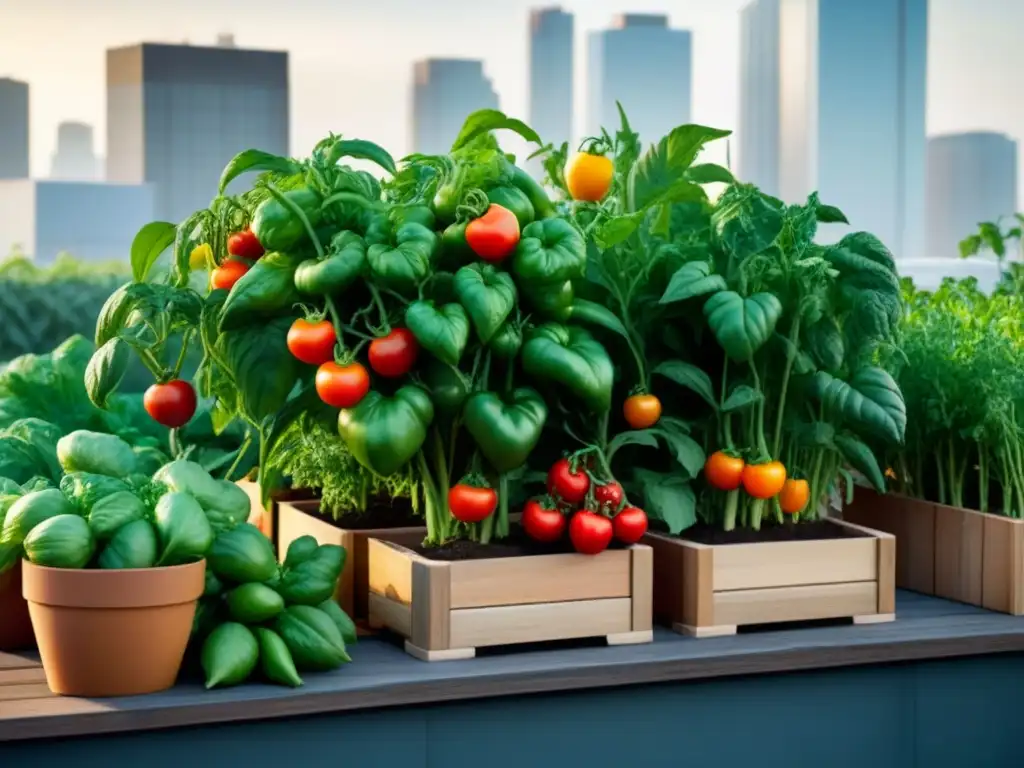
[[265, 518], [294, 519], [709, 590], [950, 552], [446, 610]]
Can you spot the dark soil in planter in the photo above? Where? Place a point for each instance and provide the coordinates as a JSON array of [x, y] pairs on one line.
[[518, 544], [380, 513], [815, 530]]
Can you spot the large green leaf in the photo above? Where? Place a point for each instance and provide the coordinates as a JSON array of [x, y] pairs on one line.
[[861, 458], [870, 402], [668, 498], [486, 120], [689, 376], [685, 450], [117, 308], [741, 398], [106, 368], [742, 325], [644, 437], [692, 279], [152, 240], [746, 221], [824, 342], [665, 162], [256, 160], [262, 368]]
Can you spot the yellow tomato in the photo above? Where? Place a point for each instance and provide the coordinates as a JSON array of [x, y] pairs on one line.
[[201, 257], [589, 177]]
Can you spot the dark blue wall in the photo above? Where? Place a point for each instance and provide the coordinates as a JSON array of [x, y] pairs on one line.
[[952, 714]]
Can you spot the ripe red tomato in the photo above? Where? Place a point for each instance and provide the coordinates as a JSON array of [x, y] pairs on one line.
[[172, 404], [494, 236], [723, 471], [245, 244], [312, 343], [630, 525], [641, 411], [469, 504], [567, 485], [227, 274], [342, 386], [542, 523], [762, 481], [589, 532], [609, 495], [395, 354]]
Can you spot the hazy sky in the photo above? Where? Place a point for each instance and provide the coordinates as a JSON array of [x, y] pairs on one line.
[[351, 61]]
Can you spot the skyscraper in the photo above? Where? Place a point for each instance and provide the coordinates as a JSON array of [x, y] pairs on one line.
[[646, 66], [444, 93], [832, 98], [74, 159], [13, 129], [176, 114], [972, 177], [551, 74]]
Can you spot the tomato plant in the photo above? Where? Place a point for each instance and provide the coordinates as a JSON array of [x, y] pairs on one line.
[[642, 411], [723, 471], [630, 525], [609, 495], [172, 403], [394, 355], [494, 236], [227, 274], [590, 533], [312, 342], [567, 483], [542, 520], [763, 481], [470, 503], [245, 245], [589, 176], [342, 386], [794, 496]]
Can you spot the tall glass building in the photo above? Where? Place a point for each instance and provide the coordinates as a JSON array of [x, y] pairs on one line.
[[176, 114], [648, 67], [444, 93], [14, 140], [551, 78], [972, 177], [833, 99]]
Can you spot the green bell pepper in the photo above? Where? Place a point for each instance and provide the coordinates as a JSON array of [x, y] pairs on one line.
[[543, 208], [442, 332], [455, 251], [448, 388], [506, 430], [570, 356], [550, 301], [515, 200], [277, 228], [488, 295], [506, 342], [266, 289], [550, 251], [399, 258], [344, 263], [384, 433]]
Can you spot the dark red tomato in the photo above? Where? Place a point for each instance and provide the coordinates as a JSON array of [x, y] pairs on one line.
[[609, 495], [469, 504], [590, 533], [312, 343], [630, 525], [172, 404], [227, 274], [342, 386], [245, 244], [542, 523], [395, 354], [494, 236], [567, 485]]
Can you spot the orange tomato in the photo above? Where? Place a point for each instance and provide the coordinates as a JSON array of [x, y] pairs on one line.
[[589, 177], [227, 274], [794, 497], [762, 481], [723, 471], [641, 411]]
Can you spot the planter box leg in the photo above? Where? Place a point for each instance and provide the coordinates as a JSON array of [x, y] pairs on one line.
[[874, 618], [450, 654], [715, 630], [631, 638]]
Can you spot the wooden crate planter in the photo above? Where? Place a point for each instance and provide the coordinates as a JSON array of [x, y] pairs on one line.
[[296, 518], [446, 610], [710, 590], [950, 552]]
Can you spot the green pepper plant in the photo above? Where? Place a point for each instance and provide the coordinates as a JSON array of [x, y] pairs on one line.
[[777, 337]]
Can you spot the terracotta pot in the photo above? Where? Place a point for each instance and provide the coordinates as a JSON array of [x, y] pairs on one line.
[[15, 624], [112, 633]]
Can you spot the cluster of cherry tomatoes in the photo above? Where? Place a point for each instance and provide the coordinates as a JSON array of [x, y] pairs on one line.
[[242, 245], [727, 472], [598, 511]]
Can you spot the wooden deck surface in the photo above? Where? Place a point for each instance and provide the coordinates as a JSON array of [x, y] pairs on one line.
[[383, 675]]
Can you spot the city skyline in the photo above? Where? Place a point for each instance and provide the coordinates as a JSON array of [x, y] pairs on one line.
[[967, 90]]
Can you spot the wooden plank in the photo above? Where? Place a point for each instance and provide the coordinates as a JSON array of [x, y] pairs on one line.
[[886, 573], [698, 585], [642, 587], [392, 614], [959, 536], [794, 563], [803, 603], [16, 660], [25, 691], [668, 578], [540, 579], [475, 627], [390, 570], [1003, 564], [19, 676], [912, 522], [431, 605]]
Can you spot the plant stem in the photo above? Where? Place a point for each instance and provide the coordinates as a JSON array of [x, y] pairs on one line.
[[186, 338], [382, 311], [794, 334], [756, 510], [172, 440], [762, 443], [732, 500], [430, 498], [243, 448], [300, 215]]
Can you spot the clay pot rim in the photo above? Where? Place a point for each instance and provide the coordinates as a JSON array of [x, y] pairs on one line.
[[113, 588]]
